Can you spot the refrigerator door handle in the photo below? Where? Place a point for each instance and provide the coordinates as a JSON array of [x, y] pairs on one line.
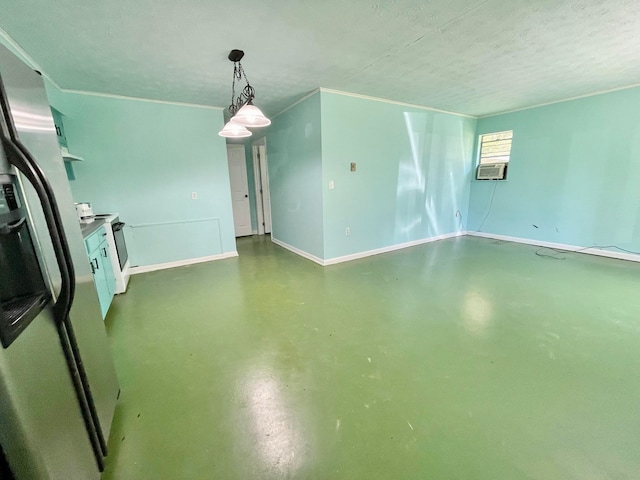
[[20, 157], [9, 228]]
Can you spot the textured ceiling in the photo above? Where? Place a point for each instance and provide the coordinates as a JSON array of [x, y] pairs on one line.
[[469, 56]]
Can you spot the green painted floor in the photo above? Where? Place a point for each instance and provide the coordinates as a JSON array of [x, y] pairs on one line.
[[462, 359]]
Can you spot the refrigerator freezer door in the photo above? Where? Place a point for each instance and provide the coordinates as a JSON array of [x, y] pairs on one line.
[[32, 117], [41, 429]]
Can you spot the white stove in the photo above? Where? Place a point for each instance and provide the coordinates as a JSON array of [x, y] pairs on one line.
[[117, 250]]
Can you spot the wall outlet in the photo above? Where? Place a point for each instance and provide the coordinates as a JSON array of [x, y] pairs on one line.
[[331, 185], [353, 166], [347, 231], [194, 195]]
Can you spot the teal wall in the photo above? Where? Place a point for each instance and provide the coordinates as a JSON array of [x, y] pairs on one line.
[[413, 169], [573, 175], [295, 176], [142, 160]]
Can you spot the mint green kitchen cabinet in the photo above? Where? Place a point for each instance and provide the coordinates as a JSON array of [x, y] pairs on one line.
[[99, 258], [57, 120], [62, 140]]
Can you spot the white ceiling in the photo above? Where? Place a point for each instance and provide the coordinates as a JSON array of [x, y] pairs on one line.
[[469, 56]]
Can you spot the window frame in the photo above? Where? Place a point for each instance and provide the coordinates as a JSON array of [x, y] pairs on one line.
[[503, 160], [480, 145]]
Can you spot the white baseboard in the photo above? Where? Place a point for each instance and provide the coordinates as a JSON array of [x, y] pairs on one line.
[[297, 251], [181, 263], [560, 246], [368, 253], [346, 258], [391, 248]]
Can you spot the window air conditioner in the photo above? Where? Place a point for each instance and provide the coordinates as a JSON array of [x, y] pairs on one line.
[[491, 171]]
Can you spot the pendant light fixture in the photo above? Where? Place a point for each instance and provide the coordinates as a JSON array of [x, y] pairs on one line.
[[234, 130], [243, 112], [251, 116]]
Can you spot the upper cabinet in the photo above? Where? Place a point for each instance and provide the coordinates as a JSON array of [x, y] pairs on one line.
[[62, 140], [57, 120]]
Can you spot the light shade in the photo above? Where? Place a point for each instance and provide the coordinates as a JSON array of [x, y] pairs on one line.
[[250, 116], [234, 130]]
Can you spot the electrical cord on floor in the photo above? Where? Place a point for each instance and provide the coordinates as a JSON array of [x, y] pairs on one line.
[[461, 223], [558, 250], [495, 186], [555, 257]]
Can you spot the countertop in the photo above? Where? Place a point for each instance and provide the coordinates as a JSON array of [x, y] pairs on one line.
[[88, 228]]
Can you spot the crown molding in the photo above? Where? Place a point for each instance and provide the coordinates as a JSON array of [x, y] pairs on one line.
[[393, 102], [570, 99], [26, 58], [138, 99], [300, 100]]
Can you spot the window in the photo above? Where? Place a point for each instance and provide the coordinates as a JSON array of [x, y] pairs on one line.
[[493, 155], [495, 147]]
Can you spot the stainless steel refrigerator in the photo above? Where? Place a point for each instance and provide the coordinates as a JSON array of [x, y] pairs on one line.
[[58, 386]]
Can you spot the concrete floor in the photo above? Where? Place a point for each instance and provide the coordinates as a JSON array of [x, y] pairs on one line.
[[461, 359]]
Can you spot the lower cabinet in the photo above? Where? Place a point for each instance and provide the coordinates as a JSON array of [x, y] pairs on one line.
[[103, 277]]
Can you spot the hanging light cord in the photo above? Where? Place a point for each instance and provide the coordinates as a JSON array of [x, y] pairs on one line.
[[247, 94]]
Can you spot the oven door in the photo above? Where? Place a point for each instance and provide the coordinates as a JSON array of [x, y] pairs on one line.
[[121, 246]]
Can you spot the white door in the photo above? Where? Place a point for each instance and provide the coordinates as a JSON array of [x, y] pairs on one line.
[[239, 190], [264, 178], [261, 175]]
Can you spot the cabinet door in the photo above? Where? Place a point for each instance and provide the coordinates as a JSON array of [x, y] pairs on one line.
[[108, 268], [57, 120], [100, 281]]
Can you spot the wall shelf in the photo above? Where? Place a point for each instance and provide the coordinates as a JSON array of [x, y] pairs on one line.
[[69, 157]]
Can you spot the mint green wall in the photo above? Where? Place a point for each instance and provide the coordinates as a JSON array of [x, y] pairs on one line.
[[573, 176], [412, 174], [295, 176], [142, 160]]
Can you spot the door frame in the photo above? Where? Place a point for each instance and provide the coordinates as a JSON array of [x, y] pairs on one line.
[[261, 182], [240, 148]]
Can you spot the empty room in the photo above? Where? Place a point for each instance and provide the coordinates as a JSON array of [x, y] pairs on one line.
[[319, 240]]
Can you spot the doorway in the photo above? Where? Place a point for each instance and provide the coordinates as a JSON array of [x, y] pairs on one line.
[[261, 178], [239, 190]]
